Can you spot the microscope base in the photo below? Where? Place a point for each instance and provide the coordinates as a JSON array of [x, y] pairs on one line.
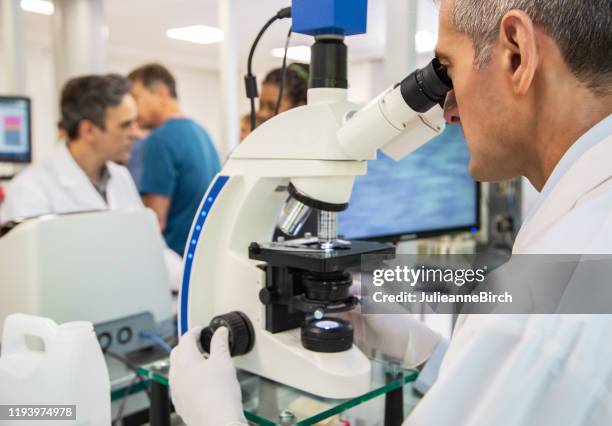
[[282, 358]]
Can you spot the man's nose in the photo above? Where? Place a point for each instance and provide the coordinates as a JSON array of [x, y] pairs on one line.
[[451, 111], [133, 133]]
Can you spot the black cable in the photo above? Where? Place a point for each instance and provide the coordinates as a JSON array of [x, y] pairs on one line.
[[132, 367], [124, 399], [283, 73], [252, 116], [250, 81]]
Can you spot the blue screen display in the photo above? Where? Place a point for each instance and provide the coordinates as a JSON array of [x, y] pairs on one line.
[[428, 191]]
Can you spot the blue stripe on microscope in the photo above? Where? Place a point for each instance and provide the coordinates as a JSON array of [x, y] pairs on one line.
[[192, 244]]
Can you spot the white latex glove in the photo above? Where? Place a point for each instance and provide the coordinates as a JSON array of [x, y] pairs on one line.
[[205, 392], [400, 336]]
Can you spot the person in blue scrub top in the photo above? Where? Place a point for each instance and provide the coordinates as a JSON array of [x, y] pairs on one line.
[[179, 160]]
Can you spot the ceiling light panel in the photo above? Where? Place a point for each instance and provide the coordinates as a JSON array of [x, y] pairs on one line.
[[201, 34]]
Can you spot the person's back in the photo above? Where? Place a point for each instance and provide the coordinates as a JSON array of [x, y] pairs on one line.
[[179, 161]]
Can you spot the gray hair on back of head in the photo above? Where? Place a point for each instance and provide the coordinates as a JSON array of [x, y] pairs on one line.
[[581, 28]]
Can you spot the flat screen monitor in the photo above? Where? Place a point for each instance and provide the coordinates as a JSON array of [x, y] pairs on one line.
[[15, 130], [428, 193]]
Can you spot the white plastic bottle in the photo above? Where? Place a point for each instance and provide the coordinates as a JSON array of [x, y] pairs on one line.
[[70, 370]]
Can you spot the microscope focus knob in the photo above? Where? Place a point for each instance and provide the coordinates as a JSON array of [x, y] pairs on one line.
[[241, 332], [327, 335], [268, 296]]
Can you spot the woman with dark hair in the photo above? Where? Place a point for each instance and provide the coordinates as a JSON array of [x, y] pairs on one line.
[[294, 92]]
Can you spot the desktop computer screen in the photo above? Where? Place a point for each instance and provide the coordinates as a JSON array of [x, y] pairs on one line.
[[430, 192], [15, 130]]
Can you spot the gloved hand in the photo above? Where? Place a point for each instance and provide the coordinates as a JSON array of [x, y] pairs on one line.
[[401, 336], [205, 392]]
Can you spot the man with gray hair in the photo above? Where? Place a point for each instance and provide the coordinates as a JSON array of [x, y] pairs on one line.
[[532, 86], [532, 91], [530, 77]]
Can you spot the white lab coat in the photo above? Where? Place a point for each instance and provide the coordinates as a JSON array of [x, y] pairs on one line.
[[539, 370], [59, 185]]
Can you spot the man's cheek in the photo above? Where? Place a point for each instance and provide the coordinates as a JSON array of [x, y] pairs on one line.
[[462, 105], [471, 132], [469, 105]]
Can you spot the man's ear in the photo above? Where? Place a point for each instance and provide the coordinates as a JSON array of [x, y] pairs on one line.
[[87, 130], [160, 90], [519, 49]]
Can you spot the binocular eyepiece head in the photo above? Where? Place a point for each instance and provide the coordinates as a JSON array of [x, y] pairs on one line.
[[426, 87]]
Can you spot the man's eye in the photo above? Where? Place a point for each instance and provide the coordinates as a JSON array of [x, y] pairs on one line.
[[449, 71]]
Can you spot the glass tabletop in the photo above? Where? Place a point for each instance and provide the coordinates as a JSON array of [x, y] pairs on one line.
[[269, 403], [123, 375]]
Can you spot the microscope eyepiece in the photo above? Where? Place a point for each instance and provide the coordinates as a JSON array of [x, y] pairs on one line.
[[426, 87]]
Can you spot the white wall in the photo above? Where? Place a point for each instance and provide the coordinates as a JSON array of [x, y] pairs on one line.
[[40, 86], [365, 80]]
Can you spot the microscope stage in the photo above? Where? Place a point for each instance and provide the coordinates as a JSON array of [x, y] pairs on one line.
[[337, 259]]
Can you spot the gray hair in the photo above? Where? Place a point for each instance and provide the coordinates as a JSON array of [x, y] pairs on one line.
[[581, 28]]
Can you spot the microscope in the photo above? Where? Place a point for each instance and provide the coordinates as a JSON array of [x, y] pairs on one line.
[[278, 298]]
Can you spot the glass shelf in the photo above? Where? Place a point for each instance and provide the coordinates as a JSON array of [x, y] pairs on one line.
[[122, 377], [268, 403]]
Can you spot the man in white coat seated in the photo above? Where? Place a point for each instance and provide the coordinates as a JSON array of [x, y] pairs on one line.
[[99, 120], [533, 92]]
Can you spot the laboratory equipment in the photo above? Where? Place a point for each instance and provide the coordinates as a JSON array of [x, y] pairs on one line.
[[301, 161], [68, 370], [103, 267], [15, 129]]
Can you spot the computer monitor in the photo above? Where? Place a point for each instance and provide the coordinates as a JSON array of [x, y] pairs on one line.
[[15, 130], [428, 193]]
